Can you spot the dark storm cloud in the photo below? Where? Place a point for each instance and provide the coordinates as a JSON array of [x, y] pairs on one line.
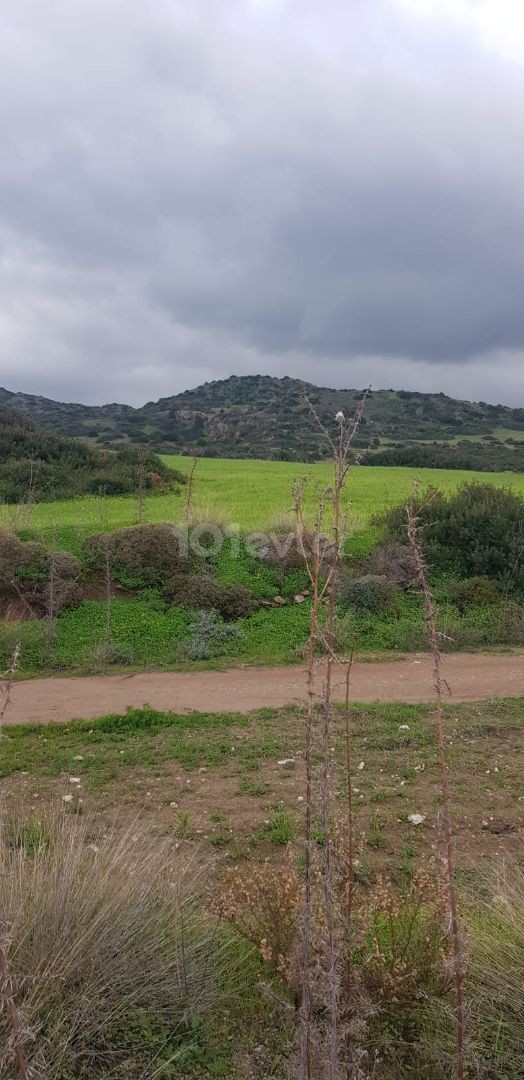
[[329, 191]]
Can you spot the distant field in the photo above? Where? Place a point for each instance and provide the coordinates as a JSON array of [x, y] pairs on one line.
[[251, 493]]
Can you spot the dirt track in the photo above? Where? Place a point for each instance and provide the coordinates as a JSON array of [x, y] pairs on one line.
[[242, 689]]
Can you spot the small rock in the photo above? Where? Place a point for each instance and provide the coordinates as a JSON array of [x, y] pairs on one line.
[[416, 819], [286, 761], [75, 780], [404, 727], [67, 798], [299, 598], [279, 600], [79, 757], [173, 805], [360, 766]]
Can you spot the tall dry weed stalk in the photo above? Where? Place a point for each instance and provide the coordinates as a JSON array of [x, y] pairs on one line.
[[190, 487], [440, 686], [7, 996], [141, 486], [323, 560]]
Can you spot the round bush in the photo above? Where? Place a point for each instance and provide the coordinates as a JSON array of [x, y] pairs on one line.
[[199, 591], [236, 602], [474, 592], [142, 555], [371, 592]]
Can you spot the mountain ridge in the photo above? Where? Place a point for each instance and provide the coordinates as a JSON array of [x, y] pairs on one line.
[[267, 417]]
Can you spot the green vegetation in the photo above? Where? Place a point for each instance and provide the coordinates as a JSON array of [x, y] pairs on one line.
[[248, 494], [38, 465], [145, 596], [258, 416]]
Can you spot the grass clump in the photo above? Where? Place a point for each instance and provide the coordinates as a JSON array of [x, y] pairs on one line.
[[112, 959]]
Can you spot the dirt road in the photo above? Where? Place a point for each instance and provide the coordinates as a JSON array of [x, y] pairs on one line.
[[242, 689]]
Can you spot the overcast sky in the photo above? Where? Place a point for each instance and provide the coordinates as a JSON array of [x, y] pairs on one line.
[[328, 189]]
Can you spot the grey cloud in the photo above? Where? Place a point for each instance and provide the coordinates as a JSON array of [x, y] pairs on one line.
[[190, 190]]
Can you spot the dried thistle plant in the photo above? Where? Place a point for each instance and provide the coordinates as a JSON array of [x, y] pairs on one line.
[[323, 562], [440, 686]]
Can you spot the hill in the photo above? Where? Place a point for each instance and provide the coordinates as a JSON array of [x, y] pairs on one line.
[[42, 465], [264, 417]]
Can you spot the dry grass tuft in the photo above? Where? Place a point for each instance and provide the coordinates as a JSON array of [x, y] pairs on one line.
[[106, 943]]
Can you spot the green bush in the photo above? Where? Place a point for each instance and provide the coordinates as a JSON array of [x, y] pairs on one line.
[[371, 592], [473, 592], [55, 467], [477, 532]]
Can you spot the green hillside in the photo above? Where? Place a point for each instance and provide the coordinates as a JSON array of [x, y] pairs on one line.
[[258, 416]]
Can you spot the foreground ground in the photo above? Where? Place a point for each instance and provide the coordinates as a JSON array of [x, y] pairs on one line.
[[470, 677], [233, 784]]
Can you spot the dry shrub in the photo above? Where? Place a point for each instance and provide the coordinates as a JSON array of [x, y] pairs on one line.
[[142, 554], [106, 941], [288, 550], [396, 563], [198, 591], [203, 593], [405, 946], [26, 568], [399, 979], [263, 906]]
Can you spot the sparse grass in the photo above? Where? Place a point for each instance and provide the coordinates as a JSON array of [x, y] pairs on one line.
[[146, 758]]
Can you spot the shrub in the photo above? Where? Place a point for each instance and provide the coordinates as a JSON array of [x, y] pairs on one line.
[[236, 602], [113, 652], [394, 562], [478, 531], [209, 637], [107, 947], [56, 467], [263, 905], [202, 592], [285, 551], [371, 592], [26, 568], [476, 591], [142, 555], [199, 591]]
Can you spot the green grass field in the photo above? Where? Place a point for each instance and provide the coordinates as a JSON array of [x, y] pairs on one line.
[[250, 493]]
